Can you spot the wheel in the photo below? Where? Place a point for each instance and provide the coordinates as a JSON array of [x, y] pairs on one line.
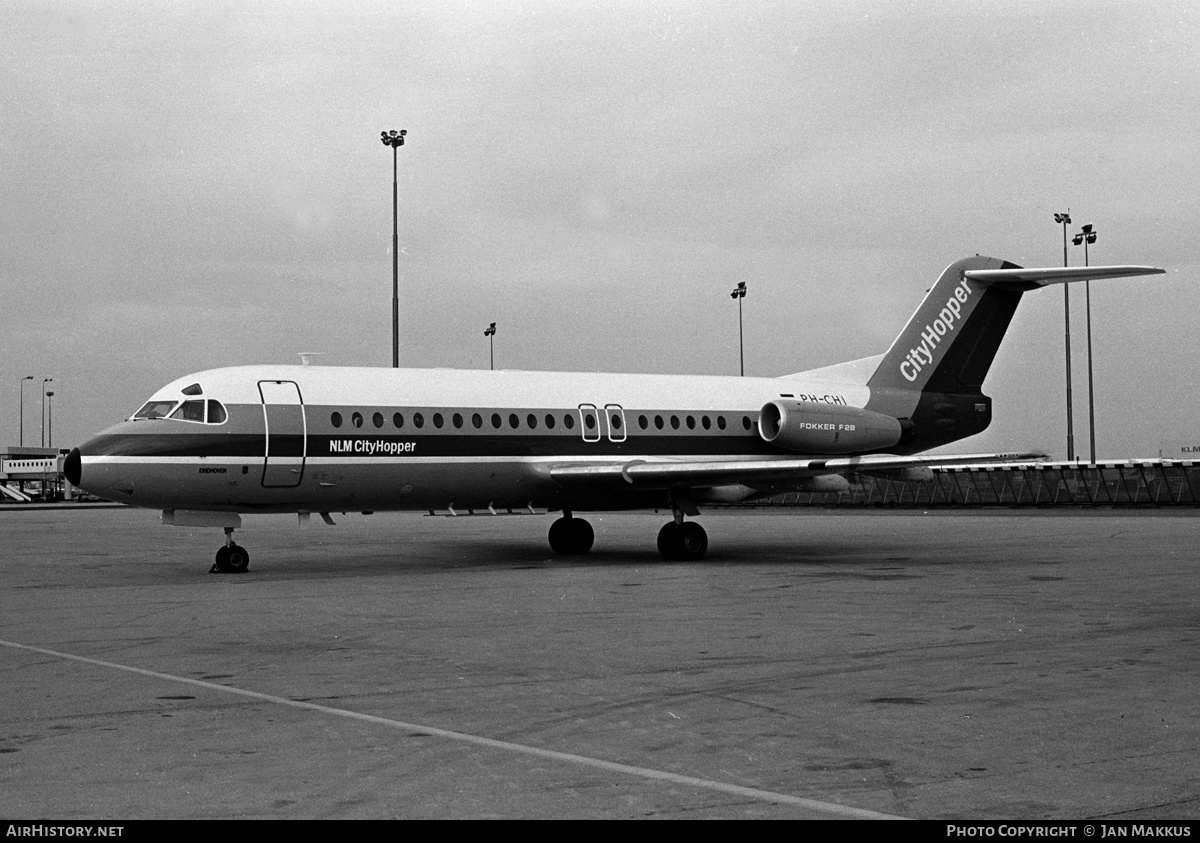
[[560, 536], [686, 541], [667, 545], [238, 560], [571, 536], [691, 541], [582, 535], [231, 559]]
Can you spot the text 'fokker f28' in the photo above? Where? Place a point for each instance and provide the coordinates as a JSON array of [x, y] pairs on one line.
[[304, 439]]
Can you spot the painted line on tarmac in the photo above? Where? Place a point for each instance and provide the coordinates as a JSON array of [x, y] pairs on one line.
[[550, 754]]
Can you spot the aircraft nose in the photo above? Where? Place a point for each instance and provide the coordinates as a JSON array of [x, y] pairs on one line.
[[73, 467]]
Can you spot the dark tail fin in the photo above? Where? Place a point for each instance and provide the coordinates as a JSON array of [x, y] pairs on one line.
[[949, 343], [932, 376]]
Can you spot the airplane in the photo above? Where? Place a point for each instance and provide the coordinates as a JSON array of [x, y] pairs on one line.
[[211, 446]]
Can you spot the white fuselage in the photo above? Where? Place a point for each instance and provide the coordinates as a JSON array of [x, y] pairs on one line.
[[298, 438]]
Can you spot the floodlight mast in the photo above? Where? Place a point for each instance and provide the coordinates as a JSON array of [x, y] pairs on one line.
[[1084, 238], [43, 432], [395, 140], [739, 293], [490, 333], [1065, 220]]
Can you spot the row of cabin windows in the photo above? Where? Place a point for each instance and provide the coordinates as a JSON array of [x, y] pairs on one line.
[[417, 420], [439, 421], [690, 421]]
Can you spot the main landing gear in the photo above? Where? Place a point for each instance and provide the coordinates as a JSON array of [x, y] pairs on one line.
[[231, 559], [678, 540], [570, 535], [683, 541]]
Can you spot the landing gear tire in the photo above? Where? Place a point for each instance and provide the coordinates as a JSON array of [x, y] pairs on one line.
[[683, 542], [666, 540], [231, 559], [571, 536]]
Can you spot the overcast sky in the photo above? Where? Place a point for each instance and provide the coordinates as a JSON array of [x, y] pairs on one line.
[[191, 185]]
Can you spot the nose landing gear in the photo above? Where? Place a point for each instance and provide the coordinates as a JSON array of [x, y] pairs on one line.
[[232, 558]]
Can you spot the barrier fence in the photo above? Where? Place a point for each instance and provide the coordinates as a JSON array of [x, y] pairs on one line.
[[1153, 483]]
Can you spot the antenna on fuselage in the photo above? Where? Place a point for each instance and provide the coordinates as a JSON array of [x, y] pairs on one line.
[[306, 357]]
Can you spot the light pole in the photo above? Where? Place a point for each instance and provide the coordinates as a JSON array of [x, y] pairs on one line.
[[739, 293], [50, 426], [1065, 220], [490, 333], [43, 432], [395, 140], [1085, 237], [22, 411]]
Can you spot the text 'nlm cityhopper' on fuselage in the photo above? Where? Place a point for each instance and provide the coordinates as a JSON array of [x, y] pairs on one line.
[[211, 446]]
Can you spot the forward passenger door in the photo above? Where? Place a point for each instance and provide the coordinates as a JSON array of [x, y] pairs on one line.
[[286, 431]]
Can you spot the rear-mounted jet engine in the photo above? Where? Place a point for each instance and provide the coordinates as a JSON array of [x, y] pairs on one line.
[[826, 429]]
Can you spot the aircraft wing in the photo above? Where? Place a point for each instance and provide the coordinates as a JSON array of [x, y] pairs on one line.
[[670, 474]]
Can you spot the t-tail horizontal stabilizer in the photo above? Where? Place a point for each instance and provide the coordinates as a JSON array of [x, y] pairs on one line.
[[1028, 278]]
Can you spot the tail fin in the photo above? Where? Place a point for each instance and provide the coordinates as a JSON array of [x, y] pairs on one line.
[[933, 374], [949, 343]]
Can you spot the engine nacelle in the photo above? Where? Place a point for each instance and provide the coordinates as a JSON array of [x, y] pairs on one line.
[[826, 428]]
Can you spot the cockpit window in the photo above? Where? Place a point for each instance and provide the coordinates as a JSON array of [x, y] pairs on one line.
[[155, 410], [196, 410], [194, 389], [190, 411]]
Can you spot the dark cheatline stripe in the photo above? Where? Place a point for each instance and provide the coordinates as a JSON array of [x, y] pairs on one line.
[[526, 445], [481, 445], [176, 444]]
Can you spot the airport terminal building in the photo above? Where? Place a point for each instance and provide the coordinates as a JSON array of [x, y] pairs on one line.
[[32, 474]]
